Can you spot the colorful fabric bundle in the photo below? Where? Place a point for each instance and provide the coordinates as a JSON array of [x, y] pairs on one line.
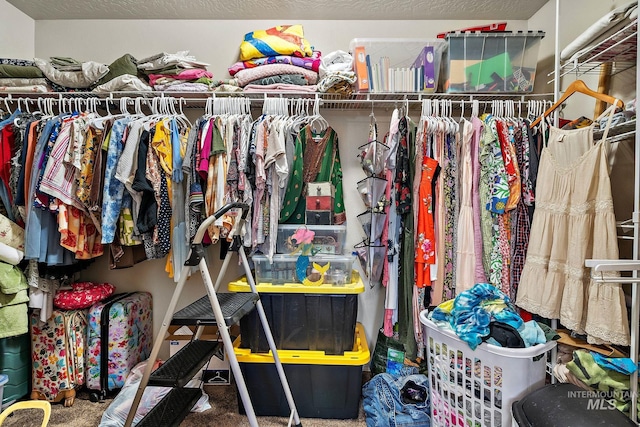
[[310, 63], [279, 40], [82, 295], [474, 309]]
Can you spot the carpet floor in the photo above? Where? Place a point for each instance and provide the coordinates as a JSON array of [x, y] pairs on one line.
[[223, 413]]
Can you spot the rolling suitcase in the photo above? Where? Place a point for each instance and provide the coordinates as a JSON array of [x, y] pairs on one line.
[[121, 327], [57, 355]]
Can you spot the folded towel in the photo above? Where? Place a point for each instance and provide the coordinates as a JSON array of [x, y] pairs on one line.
[[12, 279], [14, 320]]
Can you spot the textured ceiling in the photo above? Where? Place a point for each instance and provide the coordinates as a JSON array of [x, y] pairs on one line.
[[281, 9]]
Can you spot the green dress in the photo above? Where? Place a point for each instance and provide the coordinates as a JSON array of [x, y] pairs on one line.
[[316, 159]]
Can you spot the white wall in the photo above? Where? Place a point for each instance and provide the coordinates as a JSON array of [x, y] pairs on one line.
[[17, 33]]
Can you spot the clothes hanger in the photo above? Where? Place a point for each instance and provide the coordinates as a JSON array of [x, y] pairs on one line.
[[581, 87], [318, 123]]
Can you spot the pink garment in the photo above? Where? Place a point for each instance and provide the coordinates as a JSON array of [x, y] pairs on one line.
[[205, 150], [190, 74], [480, 274]]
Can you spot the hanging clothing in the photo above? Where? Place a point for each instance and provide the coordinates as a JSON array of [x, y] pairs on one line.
[[313, 165], [574, 220], [465, 262], [478, 129], [425, 229]]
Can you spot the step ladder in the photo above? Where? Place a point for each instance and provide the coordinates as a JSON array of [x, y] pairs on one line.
[[222, 309]]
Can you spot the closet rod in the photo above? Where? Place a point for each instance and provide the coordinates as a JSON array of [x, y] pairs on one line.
[[257, 99]]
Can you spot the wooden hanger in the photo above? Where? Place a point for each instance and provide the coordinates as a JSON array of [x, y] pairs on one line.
[[579, 86]]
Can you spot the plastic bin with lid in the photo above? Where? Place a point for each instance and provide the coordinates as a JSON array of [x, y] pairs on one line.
[[322, 385], [492, 62], [477, 387], [320, 269], [327, 239], [302, 317], [397, 64]]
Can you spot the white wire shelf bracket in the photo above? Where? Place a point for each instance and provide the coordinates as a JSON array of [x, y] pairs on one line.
[[602, 269]]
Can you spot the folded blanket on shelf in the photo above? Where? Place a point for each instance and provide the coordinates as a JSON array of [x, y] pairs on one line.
[[125, 82], [20, 62], [310, 63], [279, 40], [64, 63], [17, 82], [190, 74], [183, 87], [126, 64], [26, 88], [280, 88], [91, 73], [290, 79], [250, 74], [164, 60], [20, 71]]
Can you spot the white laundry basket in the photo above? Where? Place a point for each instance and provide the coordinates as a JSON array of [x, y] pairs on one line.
[[475, 388]]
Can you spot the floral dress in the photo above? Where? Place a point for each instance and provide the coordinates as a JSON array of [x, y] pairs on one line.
[[426, 241]]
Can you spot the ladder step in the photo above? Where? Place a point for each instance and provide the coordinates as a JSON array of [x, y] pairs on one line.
[[234, 306], [172, 409], [185, 364]]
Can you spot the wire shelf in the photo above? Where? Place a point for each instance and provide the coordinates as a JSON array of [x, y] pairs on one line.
[[619, 48], [355, 101]]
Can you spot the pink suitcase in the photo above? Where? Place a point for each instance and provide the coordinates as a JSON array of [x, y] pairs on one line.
[[120, 326], [57, 355]]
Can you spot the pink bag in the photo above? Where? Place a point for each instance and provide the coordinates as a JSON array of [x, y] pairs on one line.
[[82, 295]]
